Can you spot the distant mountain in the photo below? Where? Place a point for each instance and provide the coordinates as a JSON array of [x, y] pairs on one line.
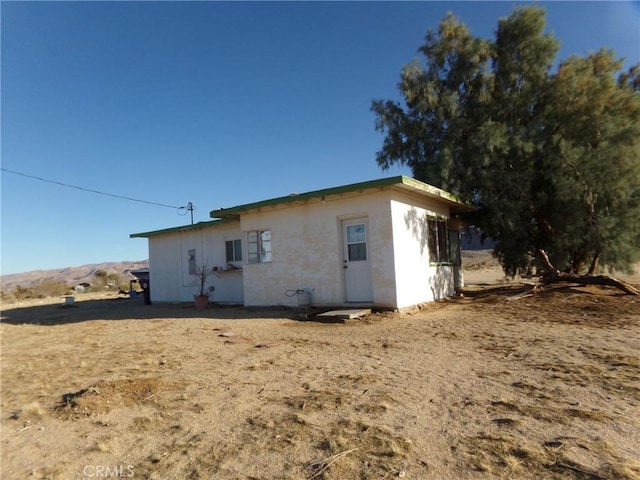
[[71, 275]]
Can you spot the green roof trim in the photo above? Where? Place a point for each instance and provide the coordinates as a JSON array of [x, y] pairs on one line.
[[184, 228], [401, 181]]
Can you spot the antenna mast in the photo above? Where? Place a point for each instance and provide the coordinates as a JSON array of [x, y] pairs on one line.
[[190, 208]]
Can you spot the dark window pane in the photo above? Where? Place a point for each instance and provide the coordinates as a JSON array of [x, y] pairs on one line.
[[433, 240], [357, 252], [443, 247], [229, 247], [192, 262]]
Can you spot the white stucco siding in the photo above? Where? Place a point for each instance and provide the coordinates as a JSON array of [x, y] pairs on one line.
[[381, 252], [307, 250], [169, 264], [416, 280], [228, 283], [164, 268]]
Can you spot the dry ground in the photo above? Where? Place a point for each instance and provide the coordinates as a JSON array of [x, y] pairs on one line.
[[475, 387]]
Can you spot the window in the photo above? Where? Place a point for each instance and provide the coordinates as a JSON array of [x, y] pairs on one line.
[[438, 241], [259, 246], [357, 242], [192, 262], [234, 250]]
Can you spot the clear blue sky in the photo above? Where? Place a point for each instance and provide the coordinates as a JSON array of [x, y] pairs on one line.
[[218, 104]]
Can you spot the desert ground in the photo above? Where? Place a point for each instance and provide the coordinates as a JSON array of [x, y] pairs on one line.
[[484, 385]]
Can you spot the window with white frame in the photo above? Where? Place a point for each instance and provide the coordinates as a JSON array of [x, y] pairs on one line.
[[438, 241], [357, 242], [234, 250], [259, 246]]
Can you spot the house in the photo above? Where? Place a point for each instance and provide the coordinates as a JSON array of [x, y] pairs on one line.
[[388, 243]]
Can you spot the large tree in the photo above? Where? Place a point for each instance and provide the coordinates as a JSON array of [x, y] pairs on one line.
[[550, 158]]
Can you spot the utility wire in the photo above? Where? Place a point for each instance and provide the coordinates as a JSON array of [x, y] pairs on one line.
[[88, 189]]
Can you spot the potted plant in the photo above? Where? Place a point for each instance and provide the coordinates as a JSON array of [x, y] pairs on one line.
[[201, 299]]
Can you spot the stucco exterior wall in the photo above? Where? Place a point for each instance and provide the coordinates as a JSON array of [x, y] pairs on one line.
[[417, 281], [165, 276], [307, 251], [169, 264]]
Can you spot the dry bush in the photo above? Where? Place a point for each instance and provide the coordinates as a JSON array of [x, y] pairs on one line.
[[6, 295], [42, 289], [106, 395], [103, 280]]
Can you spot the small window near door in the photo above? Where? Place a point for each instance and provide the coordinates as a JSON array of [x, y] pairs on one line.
[[357, 242], [234, 250], [438, 241]]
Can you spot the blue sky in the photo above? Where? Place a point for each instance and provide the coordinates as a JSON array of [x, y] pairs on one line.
[[218, 104]]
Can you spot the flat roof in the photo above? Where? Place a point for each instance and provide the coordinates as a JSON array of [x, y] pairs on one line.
[[402, 182]]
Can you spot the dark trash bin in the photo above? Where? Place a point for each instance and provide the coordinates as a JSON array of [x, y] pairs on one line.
[[146, 291]]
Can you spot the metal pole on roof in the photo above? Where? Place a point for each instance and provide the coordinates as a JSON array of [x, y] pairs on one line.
[[190, 208]]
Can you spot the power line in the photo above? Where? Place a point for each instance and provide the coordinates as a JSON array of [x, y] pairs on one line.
[[92, 191]]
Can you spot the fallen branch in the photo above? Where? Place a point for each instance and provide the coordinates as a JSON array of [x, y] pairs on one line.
[[530, 292], [590, 280], [554, 276]]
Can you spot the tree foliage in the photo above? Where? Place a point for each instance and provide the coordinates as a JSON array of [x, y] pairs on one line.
[[550, 158]]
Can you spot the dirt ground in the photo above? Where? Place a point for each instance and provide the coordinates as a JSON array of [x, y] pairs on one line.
[[479, 386]]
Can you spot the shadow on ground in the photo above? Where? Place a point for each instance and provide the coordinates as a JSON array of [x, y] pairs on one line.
[[135, 309]]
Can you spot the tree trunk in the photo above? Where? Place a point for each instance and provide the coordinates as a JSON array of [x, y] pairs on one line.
[[594, 264], [554, 276]]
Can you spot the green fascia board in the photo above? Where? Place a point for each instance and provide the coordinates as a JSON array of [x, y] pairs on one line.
[[400, 181], [184, 228]]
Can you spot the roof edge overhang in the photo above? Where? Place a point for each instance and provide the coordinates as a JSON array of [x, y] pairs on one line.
[[184, 228], [455, 204], [402, 182]]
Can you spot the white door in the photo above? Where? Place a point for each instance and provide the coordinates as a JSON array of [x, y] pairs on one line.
[[357, 267]]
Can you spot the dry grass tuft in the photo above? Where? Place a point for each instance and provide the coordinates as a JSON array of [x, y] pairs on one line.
[[47, 473], [322, 466], [623, 470], [30, 412], [504, 455], [106, 395], [144, 423], [511, 456], [102, 445]]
